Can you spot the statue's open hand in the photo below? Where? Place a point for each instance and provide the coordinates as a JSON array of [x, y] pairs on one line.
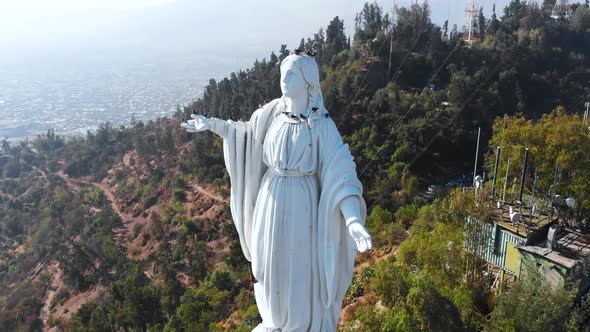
[[197, 124], [361, 236]]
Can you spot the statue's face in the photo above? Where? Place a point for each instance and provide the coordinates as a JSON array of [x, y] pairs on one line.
[[292, 82]]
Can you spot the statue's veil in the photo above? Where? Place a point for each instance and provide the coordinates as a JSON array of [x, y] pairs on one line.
[[311, 75]]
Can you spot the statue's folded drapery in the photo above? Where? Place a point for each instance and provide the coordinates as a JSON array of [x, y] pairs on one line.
[[333, 250]]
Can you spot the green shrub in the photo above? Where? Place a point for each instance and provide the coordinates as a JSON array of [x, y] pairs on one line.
[[55, 322]]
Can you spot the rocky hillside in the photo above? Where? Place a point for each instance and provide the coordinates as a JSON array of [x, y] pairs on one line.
[[136, 234]]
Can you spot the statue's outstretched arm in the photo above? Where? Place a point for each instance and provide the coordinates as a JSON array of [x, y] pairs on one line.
[[200, 123]]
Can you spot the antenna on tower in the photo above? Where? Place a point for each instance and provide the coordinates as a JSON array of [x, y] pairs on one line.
[[561, 10], [471, 21]]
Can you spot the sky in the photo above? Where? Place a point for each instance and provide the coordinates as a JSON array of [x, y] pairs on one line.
[[250, 28]]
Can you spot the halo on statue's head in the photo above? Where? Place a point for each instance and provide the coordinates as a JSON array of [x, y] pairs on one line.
[[311, 74]]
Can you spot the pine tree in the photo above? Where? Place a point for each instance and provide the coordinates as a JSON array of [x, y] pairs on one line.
[[482, 23], [335, 39], [494, 24]]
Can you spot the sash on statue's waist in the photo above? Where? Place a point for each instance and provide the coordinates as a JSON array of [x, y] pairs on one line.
[[288, 172]]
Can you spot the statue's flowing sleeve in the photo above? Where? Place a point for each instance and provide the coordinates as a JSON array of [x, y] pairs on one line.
[[242, 152], [336, 248]]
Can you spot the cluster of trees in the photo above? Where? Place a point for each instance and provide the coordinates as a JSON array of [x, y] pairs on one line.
[[558, 161], [46, 219]]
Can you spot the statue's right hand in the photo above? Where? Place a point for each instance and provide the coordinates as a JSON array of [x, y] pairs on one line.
[[197, 124]]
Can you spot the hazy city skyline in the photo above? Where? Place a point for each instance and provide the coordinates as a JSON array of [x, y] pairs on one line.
[[69, 65]]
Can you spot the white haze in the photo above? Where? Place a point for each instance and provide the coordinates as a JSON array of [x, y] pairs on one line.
[[69, 65], [249, 28]]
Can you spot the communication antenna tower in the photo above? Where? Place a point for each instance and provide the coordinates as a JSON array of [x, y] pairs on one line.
[[561, 10], [471, 21]]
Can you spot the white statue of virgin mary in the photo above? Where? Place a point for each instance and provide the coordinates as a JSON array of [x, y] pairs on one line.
[[296, 202]]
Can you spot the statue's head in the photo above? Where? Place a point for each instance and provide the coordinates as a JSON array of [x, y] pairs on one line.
[[299, 76]]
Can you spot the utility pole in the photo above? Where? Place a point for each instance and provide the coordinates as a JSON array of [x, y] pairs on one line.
[[523, 176], [505, 182], [586, 113], [476, 153], [391, 39], [535, 182], [496, 164]]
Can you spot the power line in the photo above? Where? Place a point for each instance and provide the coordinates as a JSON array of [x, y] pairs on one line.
[[394, 77], [464, 105], [370, 113], [360, 85], [398, 123]]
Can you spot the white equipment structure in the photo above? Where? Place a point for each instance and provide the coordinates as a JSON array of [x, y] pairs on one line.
[[552, 236], [570, 202], [478, 182], [515, 217]]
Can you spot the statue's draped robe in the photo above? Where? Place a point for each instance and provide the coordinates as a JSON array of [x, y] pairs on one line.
[[288, 217]]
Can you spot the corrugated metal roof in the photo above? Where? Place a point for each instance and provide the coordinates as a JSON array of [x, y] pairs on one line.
[[549, 254]]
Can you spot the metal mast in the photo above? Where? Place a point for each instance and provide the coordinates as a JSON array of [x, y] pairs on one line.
[[586, 113], [471, 14], [561, 10], [391, 39]]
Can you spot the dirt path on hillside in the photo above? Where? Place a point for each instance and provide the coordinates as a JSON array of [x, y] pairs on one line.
[[206, 192], [119, 233], [54, 285], [69, 182]]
